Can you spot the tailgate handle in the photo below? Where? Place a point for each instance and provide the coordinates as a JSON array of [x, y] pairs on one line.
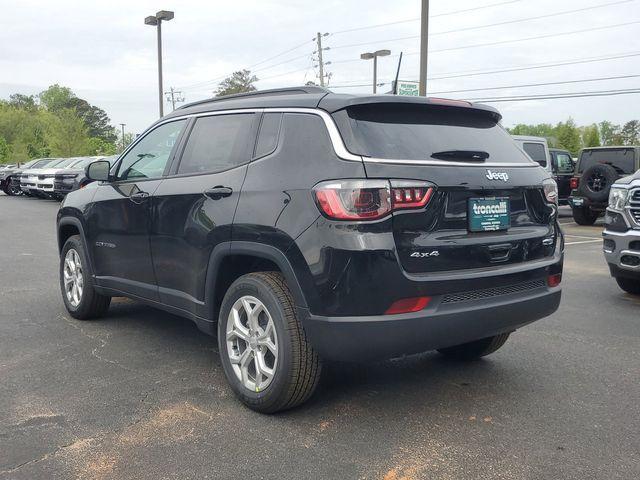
[[499, 253]]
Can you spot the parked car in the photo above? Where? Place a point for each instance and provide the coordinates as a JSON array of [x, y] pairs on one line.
[[598, 168], [622, 233], [539, 151], [306, 226], [10, 176], [43, 178], [73, 177], [562, 167], [30, 177]]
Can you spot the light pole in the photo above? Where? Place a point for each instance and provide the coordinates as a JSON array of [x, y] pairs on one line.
[[156, 20], [424, 47], [123, 145], [374, 56]]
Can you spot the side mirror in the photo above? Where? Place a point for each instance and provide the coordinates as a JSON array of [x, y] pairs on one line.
[[98, 171]]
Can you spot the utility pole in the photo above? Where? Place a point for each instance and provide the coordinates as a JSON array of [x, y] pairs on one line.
[[320, 64], [174, 97], [424, 47], [123, 145]]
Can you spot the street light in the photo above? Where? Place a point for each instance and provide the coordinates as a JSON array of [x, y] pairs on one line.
[[156, 20], [123, 145], [375, 55]]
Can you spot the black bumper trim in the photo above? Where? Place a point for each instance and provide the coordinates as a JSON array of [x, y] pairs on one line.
[[386, 336]]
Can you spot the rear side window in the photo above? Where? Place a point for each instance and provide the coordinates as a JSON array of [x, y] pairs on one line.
[[621, 159], [268, 136], [217, 143], [416, 132], [535, 151]]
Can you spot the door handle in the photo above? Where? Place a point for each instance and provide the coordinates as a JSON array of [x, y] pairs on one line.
[[218, 192], [139, 197]]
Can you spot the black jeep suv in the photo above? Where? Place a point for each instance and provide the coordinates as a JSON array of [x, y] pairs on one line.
[[306, 226], [597, 169]]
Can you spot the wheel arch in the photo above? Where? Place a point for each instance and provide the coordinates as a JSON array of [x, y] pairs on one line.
[[267, 257]]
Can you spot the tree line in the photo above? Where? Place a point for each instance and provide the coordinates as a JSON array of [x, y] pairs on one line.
[[571, 137], [54, 123]]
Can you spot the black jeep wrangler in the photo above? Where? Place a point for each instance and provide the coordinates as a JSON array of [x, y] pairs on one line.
[[597, 169], [303, 226]]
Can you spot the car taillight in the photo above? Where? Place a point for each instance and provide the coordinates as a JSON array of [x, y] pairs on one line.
[[369, 199], [574, 183]]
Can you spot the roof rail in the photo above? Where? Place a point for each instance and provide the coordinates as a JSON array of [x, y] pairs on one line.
[[307, 89]]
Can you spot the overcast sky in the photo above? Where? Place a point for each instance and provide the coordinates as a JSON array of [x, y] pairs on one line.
[[104, 52]]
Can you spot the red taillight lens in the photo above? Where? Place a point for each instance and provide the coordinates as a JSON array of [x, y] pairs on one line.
[[574, 182], [369, 199], [407, 305], [554, 280]]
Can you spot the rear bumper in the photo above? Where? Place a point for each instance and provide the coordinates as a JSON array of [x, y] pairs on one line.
[[439, 325], [576, 201]]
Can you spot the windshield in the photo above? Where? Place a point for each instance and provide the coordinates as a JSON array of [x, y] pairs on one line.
[[81, 162], [64, 163], [417, 132], [45, 162], [622, 159]]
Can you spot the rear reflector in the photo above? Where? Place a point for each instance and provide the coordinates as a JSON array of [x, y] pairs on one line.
[[407, 305], [554, 280]]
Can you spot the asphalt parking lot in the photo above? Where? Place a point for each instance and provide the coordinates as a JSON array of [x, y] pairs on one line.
[[141, 393]]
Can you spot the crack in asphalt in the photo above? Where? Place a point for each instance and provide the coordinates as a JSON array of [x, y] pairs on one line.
[[103, 343]]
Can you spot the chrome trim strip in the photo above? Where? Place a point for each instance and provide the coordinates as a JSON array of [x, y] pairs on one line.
[[444, 163]]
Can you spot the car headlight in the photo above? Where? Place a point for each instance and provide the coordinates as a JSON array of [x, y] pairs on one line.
[[618, 198], [550, 190]]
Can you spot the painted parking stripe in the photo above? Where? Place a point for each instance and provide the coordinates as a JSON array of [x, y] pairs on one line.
[[583, 241]]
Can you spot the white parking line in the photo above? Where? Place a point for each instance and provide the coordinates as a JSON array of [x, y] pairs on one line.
[[583, 241], [579, 236]]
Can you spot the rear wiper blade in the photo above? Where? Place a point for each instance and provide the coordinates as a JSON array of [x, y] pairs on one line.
[[470, 155]]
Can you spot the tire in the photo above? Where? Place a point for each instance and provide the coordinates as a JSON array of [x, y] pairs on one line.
[[88, 303], [476, 349], [12, 190], [583, 216], [629, 285], [295, 368], [596, 182]]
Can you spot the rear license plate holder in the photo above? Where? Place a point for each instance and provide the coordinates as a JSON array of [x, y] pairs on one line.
[[489, 214]]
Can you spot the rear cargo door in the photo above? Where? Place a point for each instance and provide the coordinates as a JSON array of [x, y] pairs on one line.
[[489, 207]]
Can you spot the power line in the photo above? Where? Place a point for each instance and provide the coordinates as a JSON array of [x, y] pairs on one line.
[[501, 42], [565, 82], [596, 93], [251, 66], [356, 29]]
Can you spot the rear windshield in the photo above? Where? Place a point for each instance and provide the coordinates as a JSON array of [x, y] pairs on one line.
[[416, 132], [622, 159]]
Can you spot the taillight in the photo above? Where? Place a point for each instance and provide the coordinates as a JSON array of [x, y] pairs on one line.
[[370, 199], [574, 183]]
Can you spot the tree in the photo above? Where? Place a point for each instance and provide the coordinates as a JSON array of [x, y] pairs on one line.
[[590, 136], [25, 102], [56, 98], [630, 133], [96, 119], [609, 133], [69, 135], [239, 82], [569, 136], [5, 151]]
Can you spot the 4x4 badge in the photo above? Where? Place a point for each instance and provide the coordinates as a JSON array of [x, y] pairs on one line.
[[504, 176]]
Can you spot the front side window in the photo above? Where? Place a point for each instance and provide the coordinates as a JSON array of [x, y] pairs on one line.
[[217, 143], [564, 164], [149, 157]]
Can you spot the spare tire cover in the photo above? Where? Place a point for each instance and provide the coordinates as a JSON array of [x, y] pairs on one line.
[[596, 182]]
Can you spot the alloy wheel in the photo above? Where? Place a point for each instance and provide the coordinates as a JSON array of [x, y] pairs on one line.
[[73, 277], [252, 343]]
